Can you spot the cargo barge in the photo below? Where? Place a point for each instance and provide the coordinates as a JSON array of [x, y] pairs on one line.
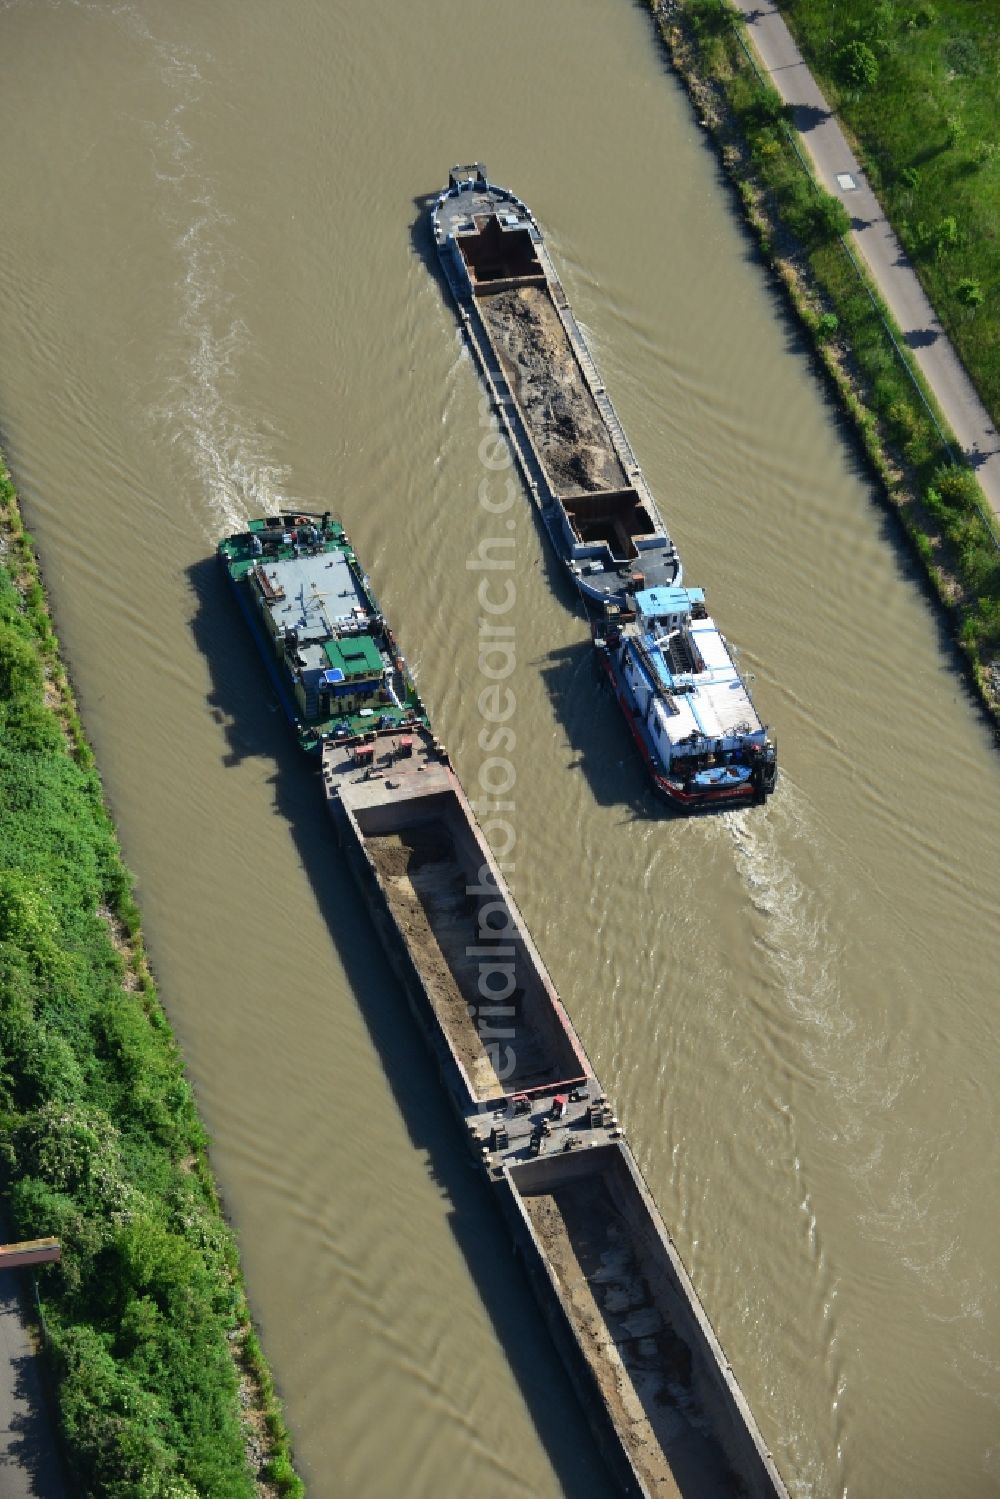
[[569, 443], [593, 498], [664, 1404]]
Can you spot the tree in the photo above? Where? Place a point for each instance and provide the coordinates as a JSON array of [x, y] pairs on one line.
[[858, 66], [768, 108], [945, 235], [956, 485], [20, 672], [939, 238], [955, 127], [970, 293], [828, 218], [882, 23]]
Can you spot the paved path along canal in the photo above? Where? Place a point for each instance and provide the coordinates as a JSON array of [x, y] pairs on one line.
[[839, 173]]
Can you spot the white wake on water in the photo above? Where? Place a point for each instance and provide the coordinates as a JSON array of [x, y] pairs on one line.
[[793, 933], [196, 407], [799, 939]]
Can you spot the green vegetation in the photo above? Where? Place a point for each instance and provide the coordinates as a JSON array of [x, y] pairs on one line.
[[148, 1332], [800, 228], [928, 138]]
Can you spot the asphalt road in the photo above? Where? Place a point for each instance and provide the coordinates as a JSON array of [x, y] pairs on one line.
[[838, 171]]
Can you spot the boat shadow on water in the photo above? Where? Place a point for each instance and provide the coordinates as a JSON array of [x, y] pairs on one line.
[[597, 735], [422, 242], [243, 702]]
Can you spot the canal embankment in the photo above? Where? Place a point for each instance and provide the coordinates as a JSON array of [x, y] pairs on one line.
[[802, 233], [157, 1376], [914, 87], [838, 159]]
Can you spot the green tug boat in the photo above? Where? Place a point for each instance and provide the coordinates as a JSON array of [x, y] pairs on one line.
[[332, 658]]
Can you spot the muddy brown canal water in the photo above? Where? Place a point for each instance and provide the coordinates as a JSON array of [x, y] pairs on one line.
[[214, 298]]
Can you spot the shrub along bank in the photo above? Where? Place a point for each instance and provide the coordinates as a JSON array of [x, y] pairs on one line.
[[800, 229], [160, 1387]]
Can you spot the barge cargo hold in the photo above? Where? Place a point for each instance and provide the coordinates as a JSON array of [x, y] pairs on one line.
[[664, 1404], [568, 440], [594, 500]]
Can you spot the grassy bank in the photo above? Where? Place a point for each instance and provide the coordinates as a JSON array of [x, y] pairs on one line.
[[159, 1382], [918, 83], [800, 231]]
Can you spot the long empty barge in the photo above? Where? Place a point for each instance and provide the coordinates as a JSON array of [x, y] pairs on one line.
[[696, 729], [646, 1363]]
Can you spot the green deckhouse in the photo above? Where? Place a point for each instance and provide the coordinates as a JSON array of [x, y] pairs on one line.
[[331, 657]]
